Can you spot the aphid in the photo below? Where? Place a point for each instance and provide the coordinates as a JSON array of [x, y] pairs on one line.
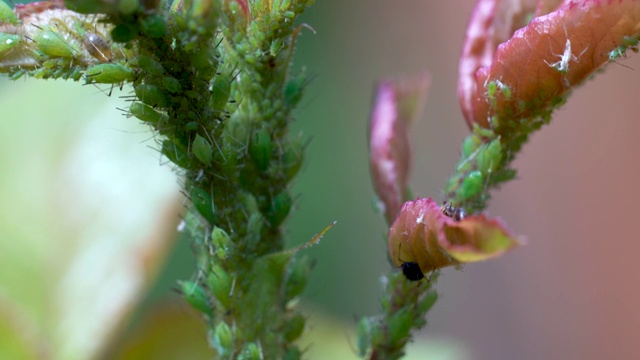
[[8, 41], [220, 91], [54, 45], [7, 15], [628, 42], [563, 65], [280, 207], [260, 148], [151, 95], [456, 213], [147, 114], [97, 46], [203, 202], [202, 150], [108, 74]]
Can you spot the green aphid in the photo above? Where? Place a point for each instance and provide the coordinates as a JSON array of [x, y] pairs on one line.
[[297, 276], [220, 91], [294, 327], [254, 230], [399, 325], [280, 208], [53, 44], [364, 332], [171, 84], [154, 26], [293, 91], [76, 75], [223, 340], [248, 201], [176, 6], [203, 202], [150, 65], [176, 154], [628, 42], [492, 91], [221, 242], [276, 46], [260, 149], [151, 95], [471, 186], [251, 351], [18, 74], [196, 296], [205, 63], [490, 157], [220, 284], [292, 157], [506, 90], [52, 63], [7, 15], [192, 126], [617, 53], [8, 42], [147, 114], [470, 144], [110, 73], [202, 150], [492, 88]]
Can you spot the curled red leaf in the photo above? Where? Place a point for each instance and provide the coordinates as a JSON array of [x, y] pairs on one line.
[[492, 23], [422, 234], [397, 104]]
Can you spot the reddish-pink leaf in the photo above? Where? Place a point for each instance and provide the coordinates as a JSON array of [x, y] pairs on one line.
[[397, 104], [424, 235]]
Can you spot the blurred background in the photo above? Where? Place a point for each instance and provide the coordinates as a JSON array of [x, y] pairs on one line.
[[87, 239]]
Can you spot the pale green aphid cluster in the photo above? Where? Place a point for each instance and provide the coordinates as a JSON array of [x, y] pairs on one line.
[[481, 157], [58, 43], [495, 88], [482, 160]]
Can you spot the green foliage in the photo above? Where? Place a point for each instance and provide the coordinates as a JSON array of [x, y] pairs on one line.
[[212, 79], [404, 308]]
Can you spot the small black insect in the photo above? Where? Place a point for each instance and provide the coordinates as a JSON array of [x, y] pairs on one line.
[[412, 271], [456, 213]]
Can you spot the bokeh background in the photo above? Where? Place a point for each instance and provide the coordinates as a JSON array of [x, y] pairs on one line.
[[86, 209]]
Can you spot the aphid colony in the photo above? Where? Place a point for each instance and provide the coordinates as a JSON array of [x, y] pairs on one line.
[[56, 42]]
